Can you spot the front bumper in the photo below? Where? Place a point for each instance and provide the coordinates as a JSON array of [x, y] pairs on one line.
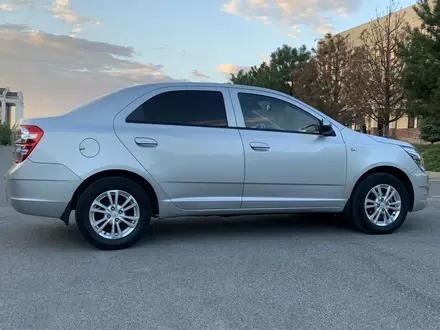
[[40, 189], [420, 182]]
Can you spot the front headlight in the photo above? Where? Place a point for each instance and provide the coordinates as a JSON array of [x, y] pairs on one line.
[[418, 159]]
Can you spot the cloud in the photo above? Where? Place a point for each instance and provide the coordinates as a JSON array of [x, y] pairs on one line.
[[31, 4], [324, 29], [61, 10], [13, 27], [57, 72], [230, 68], [295, 32], [133, 71], [198, 74], [292, 13], [5, 7], [264, 57], [23, 2]]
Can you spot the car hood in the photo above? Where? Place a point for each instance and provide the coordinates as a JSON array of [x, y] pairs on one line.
[[357, 137], [390, 141]]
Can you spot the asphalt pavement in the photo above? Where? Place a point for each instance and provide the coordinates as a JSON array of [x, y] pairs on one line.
[[266, 272]]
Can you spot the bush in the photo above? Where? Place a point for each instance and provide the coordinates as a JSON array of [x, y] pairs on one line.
[[430, 129], [431, 156], [5, 134], [422, 147]]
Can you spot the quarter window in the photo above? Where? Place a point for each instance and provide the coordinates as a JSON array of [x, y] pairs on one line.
[[189, 107], [269, 113]]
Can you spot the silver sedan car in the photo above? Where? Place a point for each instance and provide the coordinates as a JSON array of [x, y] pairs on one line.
[[191, 149]]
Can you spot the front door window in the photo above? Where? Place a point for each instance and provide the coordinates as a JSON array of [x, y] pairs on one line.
[[268, 113]]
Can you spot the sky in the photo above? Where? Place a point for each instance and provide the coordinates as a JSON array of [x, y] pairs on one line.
[[63, 53]]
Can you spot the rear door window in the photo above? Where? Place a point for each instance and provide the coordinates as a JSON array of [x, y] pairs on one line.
[[185, 107]]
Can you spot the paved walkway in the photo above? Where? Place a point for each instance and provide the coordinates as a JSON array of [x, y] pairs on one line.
[[434, 176]]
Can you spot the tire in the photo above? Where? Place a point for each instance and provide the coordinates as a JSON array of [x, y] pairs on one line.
[[359, 213], [128, 236]]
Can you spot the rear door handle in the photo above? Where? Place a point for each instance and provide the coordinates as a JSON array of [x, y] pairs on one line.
[[259, 146], [145, 142]]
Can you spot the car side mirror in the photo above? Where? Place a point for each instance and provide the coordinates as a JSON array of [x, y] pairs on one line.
[[326, 128]]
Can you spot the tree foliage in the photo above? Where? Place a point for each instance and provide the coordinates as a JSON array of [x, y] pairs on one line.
[[421, 55], [277, 73], [5, 134], [337, 72], [305, 83], [430, 129], [358, 80], [383, 67], [332, 81], [333, 63]]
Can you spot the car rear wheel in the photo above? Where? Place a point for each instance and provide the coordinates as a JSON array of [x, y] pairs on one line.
[[380, 204], [113, 213]]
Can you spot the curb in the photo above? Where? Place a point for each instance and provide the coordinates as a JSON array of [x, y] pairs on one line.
[[433, 176]]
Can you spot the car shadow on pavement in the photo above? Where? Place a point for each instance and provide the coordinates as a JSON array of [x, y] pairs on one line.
[[54, 234], [244, 226], [193, 229], [57, 235]]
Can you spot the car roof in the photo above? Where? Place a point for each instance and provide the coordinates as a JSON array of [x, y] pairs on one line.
[[152, 86]]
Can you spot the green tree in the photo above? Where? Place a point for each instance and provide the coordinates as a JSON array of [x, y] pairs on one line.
[[430, 129], [5, 134], [277, 73], [256, 76], [421, 55]]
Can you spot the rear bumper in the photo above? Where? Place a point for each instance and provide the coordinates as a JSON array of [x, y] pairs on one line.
[[40, 189], [420, 182]]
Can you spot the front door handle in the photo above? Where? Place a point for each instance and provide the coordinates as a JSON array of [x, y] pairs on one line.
[[259, 146], [145, 142]]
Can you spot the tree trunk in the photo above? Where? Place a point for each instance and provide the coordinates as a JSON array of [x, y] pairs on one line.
[[292, 81], [379, 128], [383, 128], [386, 129]]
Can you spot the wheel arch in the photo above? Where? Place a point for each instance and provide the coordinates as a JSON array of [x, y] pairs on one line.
[[148, 188], [392, 170]]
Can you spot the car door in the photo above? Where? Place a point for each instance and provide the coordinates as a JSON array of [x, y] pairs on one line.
[[181, 136], [288, 163]]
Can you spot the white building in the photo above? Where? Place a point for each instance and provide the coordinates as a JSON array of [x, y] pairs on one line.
[[12, 106]]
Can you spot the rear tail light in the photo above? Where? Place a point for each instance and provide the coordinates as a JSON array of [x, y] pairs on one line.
[[27, 138]]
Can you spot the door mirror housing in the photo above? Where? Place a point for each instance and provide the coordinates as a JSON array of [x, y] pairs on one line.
[[326, 128]]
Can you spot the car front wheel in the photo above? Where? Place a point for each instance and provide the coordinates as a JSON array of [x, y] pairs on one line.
[[380, 204], [113, 213]]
